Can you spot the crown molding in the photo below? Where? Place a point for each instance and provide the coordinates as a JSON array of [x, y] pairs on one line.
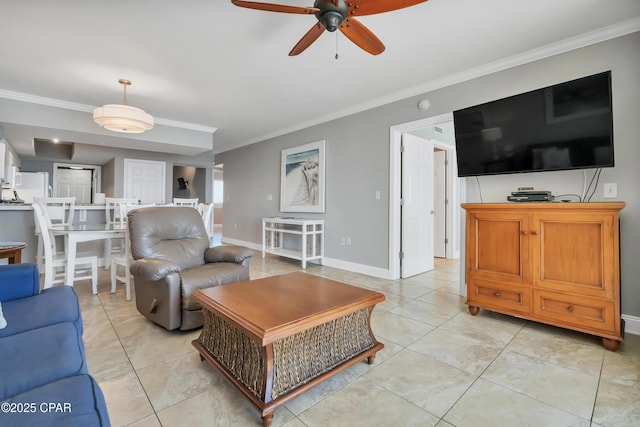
[[552, 49], [84, 108]]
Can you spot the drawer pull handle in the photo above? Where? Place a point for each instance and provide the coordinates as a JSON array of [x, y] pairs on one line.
[[524, 233], [496, 294], [535, 233], [570, 309]]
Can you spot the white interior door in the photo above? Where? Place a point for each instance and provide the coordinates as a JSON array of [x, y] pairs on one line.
[[145, 180], [417, 210], [439, 203], [74, 183]]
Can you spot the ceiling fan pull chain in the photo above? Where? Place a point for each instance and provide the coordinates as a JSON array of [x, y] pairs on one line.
[[337, 56]]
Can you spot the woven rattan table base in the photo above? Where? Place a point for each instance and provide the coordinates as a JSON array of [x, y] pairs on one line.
[[274, 374]]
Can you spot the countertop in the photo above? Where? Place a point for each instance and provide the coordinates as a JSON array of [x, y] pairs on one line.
[[27, 207]]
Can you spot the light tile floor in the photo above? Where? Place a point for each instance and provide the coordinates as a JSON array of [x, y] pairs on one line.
[[440, 366]]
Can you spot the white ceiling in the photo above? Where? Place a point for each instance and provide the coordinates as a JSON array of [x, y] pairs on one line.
[[213, 64]]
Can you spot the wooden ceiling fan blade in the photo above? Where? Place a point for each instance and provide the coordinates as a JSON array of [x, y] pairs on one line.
[[371, 7], [361, 36], [271, 7], [306, 40]]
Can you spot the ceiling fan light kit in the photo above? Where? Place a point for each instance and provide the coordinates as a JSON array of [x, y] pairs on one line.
[[122, 117], [337, 14]]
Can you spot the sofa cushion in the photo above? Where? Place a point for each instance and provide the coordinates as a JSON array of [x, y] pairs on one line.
[[67, 402], [54, 305], [19, 281], [34, 358], [207, 276]]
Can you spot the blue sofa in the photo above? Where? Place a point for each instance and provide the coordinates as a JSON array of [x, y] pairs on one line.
[[44, 379]]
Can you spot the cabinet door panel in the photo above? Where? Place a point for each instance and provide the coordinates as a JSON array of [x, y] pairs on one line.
[[575, 254], [498, 247]]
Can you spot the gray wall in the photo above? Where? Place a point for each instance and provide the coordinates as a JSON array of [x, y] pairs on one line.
[[197, 183], [357, 158]]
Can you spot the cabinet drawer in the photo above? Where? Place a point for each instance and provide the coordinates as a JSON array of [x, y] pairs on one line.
[[582, 313], [499, 297]]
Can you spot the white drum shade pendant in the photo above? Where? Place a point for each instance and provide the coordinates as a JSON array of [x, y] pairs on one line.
[[123, 117]]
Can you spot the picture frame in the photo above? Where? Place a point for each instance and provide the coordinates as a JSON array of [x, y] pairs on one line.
[[302, 178]]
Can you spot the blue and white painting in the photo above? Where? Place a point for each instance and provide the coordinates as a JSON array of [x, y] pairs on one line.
[[302, 184]]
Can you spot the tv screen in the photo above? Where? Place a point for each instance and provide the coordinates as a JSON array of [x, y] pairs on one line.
[[560, 127]]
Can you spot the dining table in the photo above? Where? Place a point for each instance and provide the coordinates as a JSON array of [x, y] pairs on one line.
[[82, 232]]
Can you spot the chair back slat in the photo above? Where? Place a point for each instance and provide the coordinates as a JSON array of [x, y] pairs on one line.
[[57, 210], [186, 202]]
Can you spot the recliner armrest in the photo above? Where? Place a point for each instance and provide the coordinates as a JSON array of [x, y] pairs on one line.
[[237, 254], [19, 281], [153, 268]]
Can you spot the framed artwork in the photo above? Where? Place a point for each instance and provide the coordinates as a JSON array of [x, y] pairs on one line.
[[302, 178]]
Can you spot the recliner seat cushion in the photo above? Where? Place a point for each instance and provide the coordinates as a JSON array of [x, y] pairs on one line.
[[207, 276], [59, 353]]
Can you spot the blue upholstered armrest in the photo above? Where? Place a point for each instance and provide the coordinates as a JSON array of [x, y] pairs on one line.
[[19, 281]]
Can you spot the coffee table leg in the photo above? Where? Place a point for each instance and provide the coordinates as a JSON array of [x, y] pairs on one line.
[[267, 419]]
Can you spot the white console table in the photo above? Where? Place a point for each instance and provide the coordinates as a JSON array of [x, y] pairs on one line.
[[311, 233]]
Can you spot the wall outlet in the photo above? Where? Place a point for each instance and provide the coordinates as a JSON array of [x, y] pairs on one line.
[[611, 190], [348, 241], [269, 197], [343, 241], [83, 215]]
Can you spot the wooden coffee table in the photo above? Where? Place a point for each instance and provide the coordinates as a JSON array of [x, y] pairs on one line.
[[277, 337]]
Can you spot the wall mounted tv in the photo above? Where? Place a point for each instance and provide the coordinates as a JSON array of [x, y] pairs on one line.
[[560, 127]]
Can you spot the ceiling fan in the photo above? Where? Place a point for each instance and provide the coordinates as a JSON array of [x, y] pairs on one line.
[[337, 14]]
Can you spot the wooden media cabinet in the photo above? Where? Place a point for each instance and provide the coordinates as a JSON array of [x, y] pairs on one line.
[[554, 263]]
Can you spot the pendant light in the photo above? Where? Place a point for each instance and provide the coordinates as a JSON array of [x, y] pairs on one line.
[[123, 117]]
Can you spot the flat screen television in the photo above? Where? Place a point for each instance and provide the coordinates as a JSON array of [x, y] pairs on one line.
[[560, 127]]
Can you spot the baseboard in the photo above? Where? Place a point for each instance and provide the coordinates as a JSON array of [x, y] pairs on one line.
[[329, 262], [250, 245], [631, 324], [382, 273]]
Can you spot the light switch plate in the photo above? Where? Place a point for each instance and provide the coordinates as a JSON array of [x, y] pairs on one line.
[[610, 190]]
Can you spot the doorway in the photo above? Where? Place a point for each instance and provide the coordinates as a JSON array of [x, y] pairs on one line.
[[453, 192], [79, 181]]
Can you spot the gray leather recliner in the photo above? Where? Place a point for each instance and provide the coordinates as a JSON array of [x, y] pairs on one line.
[[172, 258]]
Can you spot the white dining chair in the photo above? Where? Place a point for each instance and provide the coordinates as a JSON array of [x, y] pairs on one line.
[[123, 259], [54, 261], [113, 215], [186, 202], [206, 212], [56, 211]]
